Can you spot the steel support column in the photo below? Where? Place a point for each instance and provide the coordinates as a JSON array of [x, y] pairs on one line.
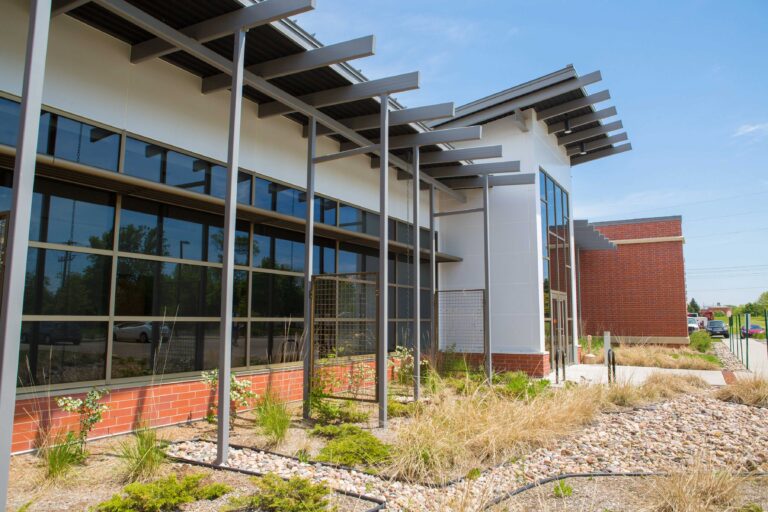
[[383, 320], [228, 271], [416, 276], [432, 274], [18, 231], [487, 259], [309, 237]]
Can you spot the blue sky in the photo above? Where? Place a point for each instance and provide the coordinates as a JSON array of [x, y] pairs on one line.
[[689, 79]]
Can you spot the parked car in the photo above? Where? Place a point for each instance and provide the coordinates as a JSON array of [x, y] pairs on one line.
[[53, 333], [753, 329], [717, 328], [693, 324], [137, 331]]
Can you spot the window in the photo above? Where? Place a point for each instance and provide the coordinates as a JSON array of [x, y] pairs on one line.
[[355, 219], [9, 121], [79, 142], [275, 342], [277, 296]]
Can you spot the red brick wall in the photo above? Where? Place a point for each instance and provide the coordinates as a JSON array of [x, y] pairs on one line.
[[638, 289], [535, 365]]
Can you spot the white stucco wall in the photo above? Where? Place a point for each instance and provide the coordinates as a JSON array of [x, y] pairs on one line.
[[89, 73]]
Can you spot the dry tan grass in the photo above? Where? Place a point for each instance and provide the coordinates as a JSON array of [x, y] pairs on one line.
[[656, 356], [699, 488], [750, 391]]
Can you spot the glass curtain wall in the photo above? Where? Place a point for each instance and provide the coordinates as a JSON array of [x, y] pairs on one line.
[[556, 264], [119, 287]]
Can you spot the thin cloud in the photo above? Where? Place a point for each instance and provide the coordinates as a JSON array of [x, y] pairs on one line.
[[753, 130]]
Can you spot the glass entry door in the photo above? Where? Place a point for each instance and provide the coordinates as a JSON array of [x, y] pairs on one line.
[[561, 342]]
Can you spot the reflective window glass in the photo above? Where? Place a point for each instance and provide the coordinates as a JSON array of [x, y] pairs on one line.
[[216, 243], [143, 160], [325, 210], [278, 249], [9, 121], [263, 197], [140, 226], [186, 171], [275, 342], [89, 145], [277, 296], [351, 218]]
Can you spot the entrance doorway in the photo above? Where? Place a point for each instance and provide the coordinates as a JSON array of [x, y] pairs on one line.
[[562, 344]]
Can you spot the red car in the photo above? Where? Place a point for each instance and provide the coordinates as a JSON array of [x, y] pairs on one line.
[[753, 329]]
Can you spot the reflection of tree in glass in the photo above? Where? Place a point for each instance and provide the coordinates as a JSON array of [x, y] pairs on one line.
[[141, 239]]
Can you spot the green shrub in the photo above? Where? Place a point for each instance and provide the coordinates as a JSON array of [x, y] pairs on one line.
[[333, 431], [142, 456], [62, 455], [273, 417], [277, 495], [397, 409], [162, 495], [751, 507], [328, 411], [562, 489], [474, 474], [89, 410], [520, 386], [701, 341], [353, 449]]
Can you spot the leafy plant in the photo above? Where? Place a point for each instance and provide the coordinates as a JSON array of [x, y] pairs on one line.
[[273, 417], [327, 412], [333, 431], [61, 455], [474, 474], [277, 495], [397, 409], [142, 455], [701, 341], [88, 409], [162, 495], [303, 455], [562, 489], [519, 385], [351, 448], [361, 375], [240, 393]]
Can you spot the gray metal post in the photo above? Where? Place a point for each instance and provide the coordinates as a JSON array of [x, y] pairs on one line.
[[383, 320], [18, 231], [487, 258], [228, 271], [416, 278], [309, 237], [432, 272]]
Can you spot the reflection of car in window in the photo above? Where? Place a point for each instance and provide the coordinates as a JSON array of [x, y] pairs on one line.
[[52, 333], [138, 331]]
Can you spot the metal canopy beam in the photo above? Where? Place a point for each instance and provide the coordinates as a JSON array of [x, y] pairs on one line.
[[460, 171], [495, 181], [576, 160], [346, 94], [296, 63], [397, 117], [345, 154], [430, 138], [592, 132], [460, 155], [64, 6], [224, 25], [575, 122], [189, 45], [596, 144], [525, 101], [570, 106]]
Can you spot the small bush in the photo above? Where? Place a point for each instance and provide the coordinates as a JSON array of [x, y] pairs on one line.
[[89, 410], [562, 489], [142, 456], [397, 409], [61, 455], [750, 391], [328, 412], [333, 431], [277, 495], [273, 418], [163, 495], [701, 341], [520, 386], [474, 474], [354, 449]]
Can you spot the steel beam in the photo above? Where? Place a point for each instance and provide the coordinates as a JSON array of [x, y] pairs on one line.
[[596, 144], [432, 273], [346, 154], [18, 230], [576, 160], [570, 106], [383, 306], [460, 155], [346, 94], [223, 25], [460, 171], [524, 101], [587, 134], [487, 259], [575, 122], [205, 54], [416, 275], [64, 6], [228, 270], [396, 117], [299, 62], [495, 181], [461, 212], [430, 138], [309, 241]]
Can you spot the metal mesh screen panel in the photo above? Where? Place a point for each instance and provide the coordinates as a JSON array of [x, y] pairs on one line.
[[344, 334], [460, 320]]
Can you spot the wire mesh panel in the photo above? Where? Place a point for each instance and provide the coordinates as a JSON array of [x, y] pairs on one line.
[[345, 335], [460, 320]]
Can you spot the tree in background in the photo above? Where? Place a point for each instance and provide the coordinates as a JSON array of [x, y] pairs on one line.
[[693, 306], [762, 301]]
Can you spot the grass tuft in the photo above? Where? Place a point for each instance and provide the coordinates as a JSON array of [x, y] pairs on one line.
[[60, 455], [562, 489], [750, 391], [142, 456], [273, 418], [354, 447], [696, 489]]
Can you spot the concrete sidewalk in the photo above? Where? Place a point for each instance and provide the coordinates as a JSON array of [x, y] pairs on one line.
[[598, 374], [758, 356]]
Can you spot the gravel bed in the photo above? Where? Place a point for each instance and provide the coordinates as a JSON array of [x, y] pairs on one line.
[[728, 358], [658, 438]]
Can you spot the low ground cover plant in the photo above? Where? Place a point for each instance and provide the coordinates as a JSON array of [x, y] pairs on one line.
[[273, 417], [562, 489], [749, 391], [163, 495], [142, 455], [520, 386], [277, 495], [349, 445]]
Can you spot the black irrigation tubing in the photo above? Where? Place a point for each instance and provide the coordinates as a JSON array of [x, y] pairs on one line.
[[599, 474], [380, 504]]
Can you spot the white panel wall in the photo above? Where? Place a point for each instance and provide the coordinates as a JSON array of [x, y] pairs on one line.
[[89, 74]]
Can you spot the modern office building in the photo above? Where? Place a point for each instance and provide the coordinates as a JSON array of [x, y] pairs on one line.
[[126, 242]]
